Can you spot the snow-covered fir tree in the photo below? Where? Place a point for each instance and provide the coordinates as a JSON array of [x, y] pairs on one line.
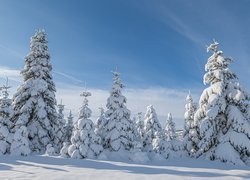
[[152, 128], [223, 113], [119, 125], [69, 127], [138, 141], [6, 112], [84, 141], [60, 112], [101, 124], [20, 144], [170, 131], [6, 109], [34, 102], [190, 134], [139, 125], [60, 130], [168, 144]]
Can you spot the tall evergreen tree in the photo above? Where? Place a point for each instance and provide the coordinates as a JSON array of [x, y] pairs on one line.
[[119, 125], [169, 131], [84, 142], [152, 128], [69, 127], [34, 101], [6, 113], [60, 112], [60, 131], [190, 135], [223, 114], [139, 125], [169, 145], [6, 109], [101, 124]]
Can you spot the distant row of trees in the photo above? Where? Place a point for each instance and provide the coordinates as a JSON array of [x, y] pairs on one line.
[[218, 128]]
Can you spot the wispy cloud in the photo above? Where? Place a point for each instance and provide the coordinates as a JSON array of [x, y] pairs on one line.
[[69, 77], [12, 74], [11, 51], [183, 28]]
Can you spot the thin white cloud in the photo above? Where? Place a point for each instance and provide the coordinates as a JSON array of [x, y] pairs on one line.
[[69, 77], [182, 28], [11, 51], [12, 74]]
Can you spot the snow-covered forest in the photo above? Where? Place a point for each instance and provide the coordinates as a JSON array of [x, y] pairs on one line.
[[217, 128]]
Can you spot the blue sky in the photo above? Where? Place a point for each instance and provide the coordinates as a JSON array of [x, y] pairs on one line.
[[156, 45]]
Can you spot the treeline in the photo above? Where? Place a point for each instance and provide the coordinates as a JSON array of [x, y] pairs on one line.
[[217, 128]]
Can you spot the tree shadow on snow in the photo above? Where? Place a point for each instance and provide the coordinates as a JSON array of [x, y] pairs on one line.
[[24, 161], [191, 169]]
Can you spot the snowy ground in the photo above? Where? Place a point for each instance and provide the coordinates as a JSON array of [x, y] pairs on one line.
[[42, 167]]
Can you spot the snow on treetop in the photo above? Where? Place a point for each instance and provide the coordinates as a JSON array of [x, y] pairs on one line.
[[188, 96], [40, 35], [85, 94], [117, 81], [170, 116], [213, 46], [115, 73]]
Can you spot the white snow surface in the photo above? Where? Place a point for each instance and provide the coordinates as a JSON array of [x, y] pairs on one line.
[[53, 168]]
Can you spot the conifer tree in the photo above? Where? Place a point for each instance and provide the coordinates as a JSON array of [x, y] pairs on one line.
[[190, 135], [60, 129], [119, 125], [6, 109], [152, 128], [69, 127], [101, 124], [223, 113], [169, 131], [34, 101], [60, 113], [84, 141], [139, 125], [169, 145], [6, 112]]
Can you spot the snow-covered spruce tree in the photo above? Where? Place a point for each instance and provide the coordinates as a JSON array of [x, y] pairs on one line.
[[85, 143], [139, 125], [34, 102], [69, 127], [101, 124], [6, 109], [152, 128], [119, 125], [190, 135], [60, 113], [223, 115], [60, 130], [169, 131], [6, 112], [137, 153], [168, 145], [138, 141]]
